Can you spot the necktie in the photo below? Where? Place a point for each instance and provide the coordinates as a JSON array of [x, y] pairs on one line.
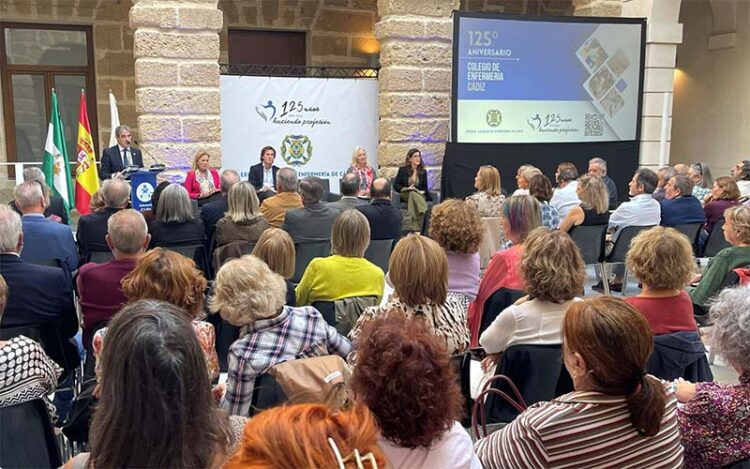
[[126, 161]]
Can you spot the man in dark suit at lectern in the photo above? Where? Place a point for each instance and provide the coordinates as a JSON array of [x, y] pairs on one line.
[[117, 158]]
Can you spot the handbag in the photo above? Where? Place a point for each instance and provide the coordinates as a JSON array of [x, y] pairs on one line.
[[478, 412]]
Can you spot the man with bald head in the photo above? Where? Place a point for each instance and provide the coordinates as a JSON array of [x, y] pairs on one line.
[[384, 219], [45, 241], [99, 290], [92, 228]]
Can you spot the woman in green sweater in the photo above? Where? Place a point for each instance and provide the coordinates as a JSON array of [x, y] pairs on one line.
[[345, 273], [737, 233]]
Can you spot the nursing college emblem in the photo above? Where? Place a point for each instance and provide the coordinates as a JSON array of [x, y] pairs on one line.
[[296, 150]]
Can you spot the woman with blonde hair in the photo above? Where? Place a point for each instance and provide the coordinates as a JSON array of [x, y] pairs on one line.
[[247, 294], [594, 208], [309, 435], [168, 276], [662, 260], [418, 271], [457, 228], [553, 272], [488, 199], [521, 214], [242, 221], [276, 248], [622, 416], [202, 181], [737, 233], [345, 273], [523, 178], [365, 173]]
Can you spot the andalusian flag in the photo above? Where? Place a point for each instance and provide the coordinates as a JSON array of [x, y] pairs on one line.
[[87, 179], [56, 168]]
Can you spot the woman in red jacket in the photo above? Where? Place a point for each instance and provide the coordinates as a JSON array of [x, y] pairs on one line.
[[202, 182]]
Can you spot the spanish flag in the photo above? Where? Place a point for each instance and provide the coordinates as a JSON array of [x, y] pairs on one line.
[[87, 177]]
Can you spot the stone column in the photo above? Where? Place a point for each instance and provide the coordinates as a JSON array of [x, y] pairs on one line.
[[415, 81], [176, 48]]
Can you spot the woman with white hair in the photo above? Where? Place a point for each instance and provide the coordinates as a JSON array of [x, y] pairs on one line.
[[247, 294], [365, 173], [715, 418], [175, 223], [242, 221]]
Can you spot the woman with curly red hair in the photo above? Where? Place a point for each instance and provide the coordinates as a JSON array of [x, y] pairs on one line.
[[404, 376]]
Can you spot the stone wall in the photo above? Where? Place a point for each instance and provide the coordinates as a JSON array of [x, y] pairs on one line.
[[340, 32], [113, 49], [521, 7]]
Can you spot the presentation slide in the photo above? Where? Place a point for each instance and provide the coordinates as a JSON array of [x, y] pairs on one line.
[[537, 81]]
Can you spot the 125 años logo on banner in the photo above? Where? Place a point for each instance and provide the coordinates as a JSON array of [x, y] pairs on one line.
[[296, 150]]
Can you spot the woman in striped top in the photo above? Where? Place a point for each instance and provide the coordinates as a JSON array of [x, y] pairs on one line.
[[617, 416]]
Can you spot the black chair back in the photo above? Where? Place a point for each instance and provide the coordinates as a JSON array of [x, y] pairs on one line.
[[232, 250], [461, 364], [379, 252], [27, 438], [196, 252], [744, 464], [538, 373], [680, 355], [590, 241], [267, 393], [59, 349], [692, 231], [622, 244], [496, 303], [100, 257], [327, 310], [716, 241], [305, 252]]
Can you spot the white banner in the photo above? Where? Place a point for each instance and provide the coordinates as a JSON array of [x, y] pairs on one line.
[[313, 123]]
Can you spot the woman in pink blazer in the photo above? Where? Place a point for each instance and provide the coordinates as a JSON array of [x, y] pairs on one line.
[[202, 182]]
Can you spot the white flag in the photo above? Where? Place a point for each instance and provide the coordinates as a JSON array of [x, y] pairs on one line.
[[114, 119]]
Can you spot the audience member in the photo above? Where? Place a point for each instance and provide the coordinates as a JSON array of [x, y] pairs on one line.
[[681, 169], [384, 219], [523, 177], [276, 248], [724, 194], [700, 174], [457, 228], [521, 214], [418, 270], [202, 182], [44, 240], [665, 173], [606, 345], [592, 211], [565, 197], [155, 407], [541, 189], [553, 272], [488, 199], [243, 221], [405, 377], [741, 173], [679, 206], [364, 173], [93, 227], [39, 296], [314, 220], [345, 273], [309, 435], [249, 295], [350, 187], [662, 260], [263, 175], [214, 211], [274, 208], [176, 224], [714, 420], [27, 372], [598, 167], [411, 183], [96, 204], [54, 205], [100, 285], [168, 276], [737, 233]]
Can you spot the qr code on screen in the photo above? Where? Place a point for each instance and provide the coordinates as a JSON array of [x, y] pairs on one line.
[[593, 125]]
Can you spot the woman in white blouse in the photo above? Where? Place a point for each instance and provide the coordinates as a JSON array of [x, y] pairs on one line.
[[553, 272]]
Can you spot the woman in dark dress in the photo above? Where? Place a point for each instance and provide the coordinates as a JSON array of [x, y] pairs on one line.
[[175, 223], [411, 183]]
